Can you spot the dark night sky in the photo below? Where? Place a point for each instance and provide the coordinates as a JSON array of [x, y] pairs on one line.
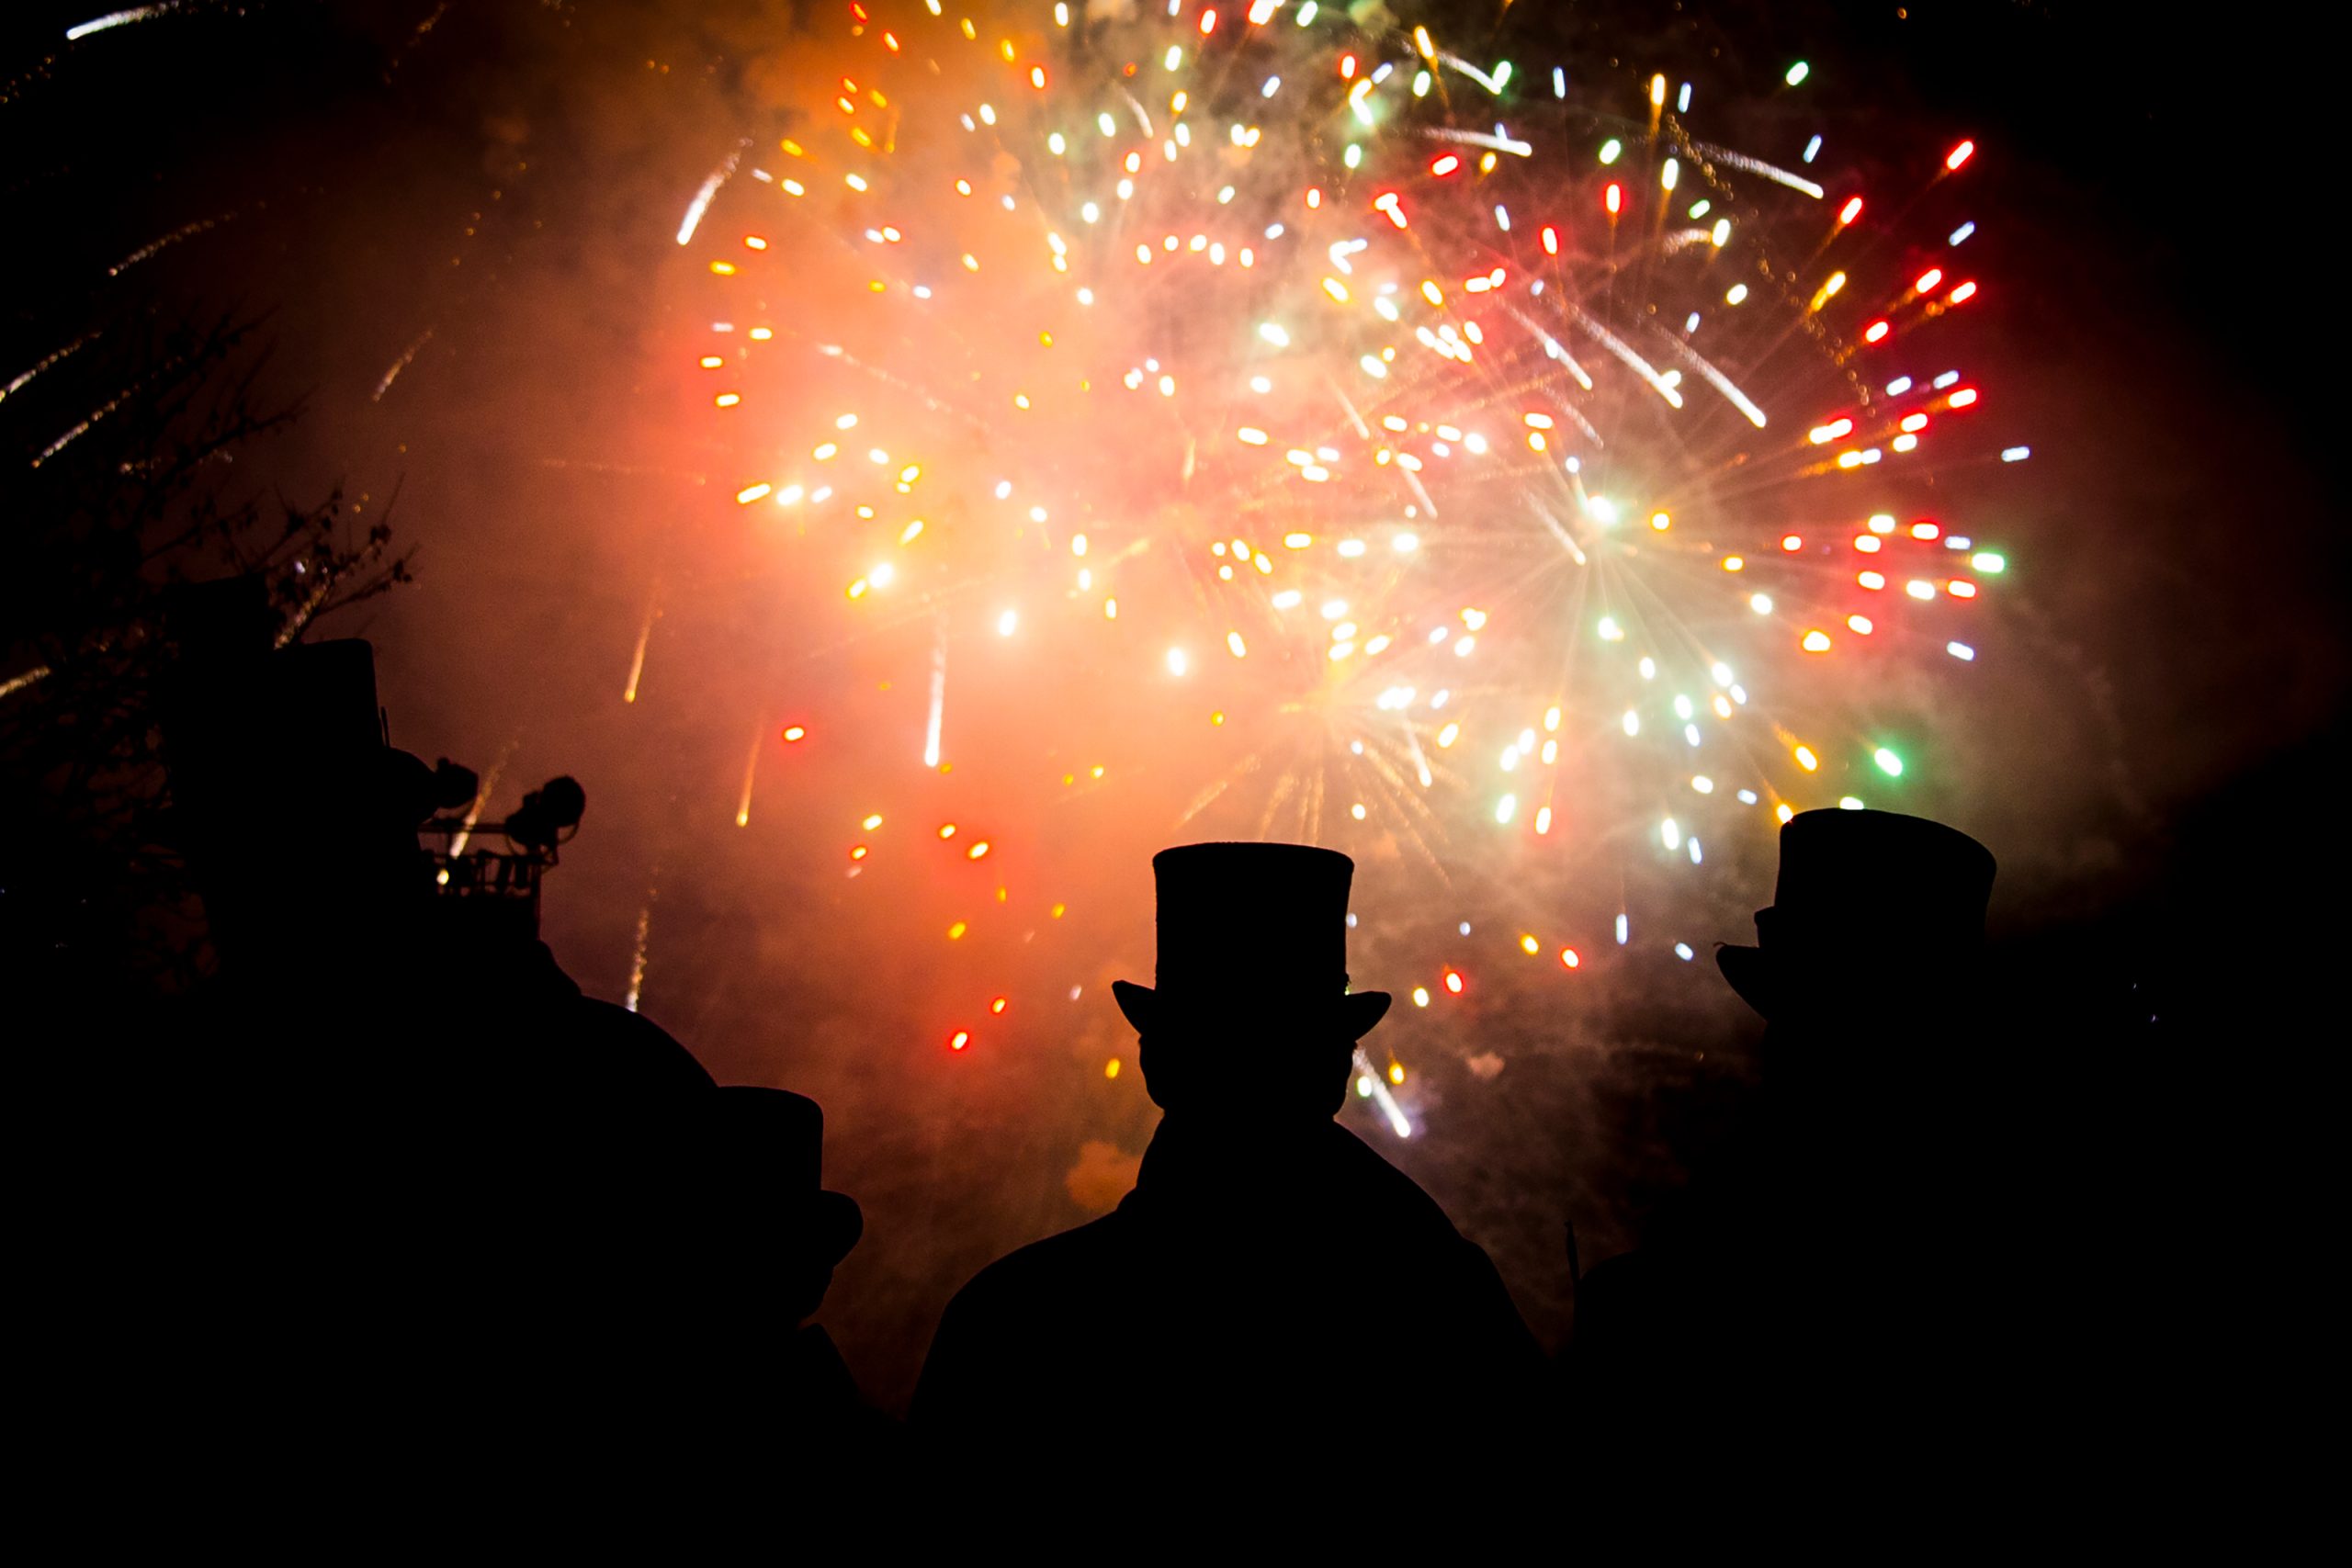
[[2168, 337]]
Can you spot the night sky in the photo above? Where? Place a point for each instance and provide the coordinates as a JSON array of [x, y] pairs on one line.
[[487, 196]]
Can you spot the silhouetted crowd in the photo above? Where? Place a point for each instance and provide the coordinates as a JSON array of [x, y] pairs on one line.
[[393, 1224]]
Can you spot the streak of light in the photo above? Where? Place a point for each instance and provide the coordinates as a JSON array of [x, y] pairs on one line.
[[636, 662], [1741, 160], [637, 963], [750, 767], [17, 384], [1498, 142], [1719, 381], [1624, 352], [701, 203], [18, 682], [185, 231], [1380, 1097], [481, 797], [113, 19], [400, 364], [938, 697]]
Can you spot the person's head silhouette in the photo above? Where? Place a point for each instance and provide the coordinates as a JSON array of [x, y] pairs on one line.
[[774, 1234], [1251, 1019], [1876, 926]]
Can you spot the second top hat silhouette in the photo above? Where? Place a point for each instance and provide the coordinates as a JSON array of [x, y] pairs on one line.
[[767, 1145], [1864, 896], [1252, 934]]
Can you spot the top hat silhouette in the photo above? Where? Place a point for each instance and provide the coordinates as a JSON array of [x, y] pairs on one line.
[[767, 1141], [1252, 931], [1882, 892]]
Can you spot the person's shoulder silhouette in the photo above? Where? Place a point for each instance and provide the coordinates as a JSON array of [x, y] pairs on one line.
[[1807, 1307], [689, 1255], [767, 1236], [1273, 1294]]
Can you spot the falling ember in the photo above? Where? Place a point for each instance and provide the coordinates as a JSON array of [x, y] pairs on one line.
[[400, 364], [701, 202], [1379, 1095], [31, 677], [115, 19], [637, 963], [750, 766], [938, 697], [637, 660]]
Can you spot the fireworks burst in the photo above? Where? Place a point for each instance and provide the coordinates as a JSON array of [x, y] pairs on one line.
[[1362, 438]]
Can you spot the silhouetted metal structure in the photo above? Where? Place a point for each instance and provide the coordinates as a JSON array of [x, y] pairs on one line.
[[498, 886]]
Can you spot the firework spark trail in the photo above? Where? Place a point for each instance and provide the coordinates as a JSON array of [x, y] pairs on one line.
[[78, 430], [1501, 142], [633, 470], [23, 377], [1421, 760], [482, 798], [113, 19], [1625, 351], [1558, 531], [1142, 116], [701, 203], [1730, 158], [185, 231], [31, 677], [392, 66], [750, 767], [644, 636], [1553, 348], [400, 364], [938, 697], [1492, 84], [1370, 1083], [637, 963], [835, 351], [1585, 428], [1719, 381]]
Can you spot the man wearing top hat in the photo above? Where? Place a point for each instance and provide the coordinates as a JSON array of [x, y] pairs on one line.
[[650, 1331], [1807, 1330], [1274, 1306], [748, 1259]]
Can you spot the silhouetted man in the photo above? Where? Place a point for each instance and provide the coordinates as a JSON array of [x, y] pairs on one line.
[[766, 1237], [658, 1346], [1275, 1309], [1808, 1331]]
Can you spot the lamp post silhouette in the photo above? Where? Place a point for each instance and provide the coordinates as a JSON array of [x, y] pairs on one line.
[[498, 888]]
